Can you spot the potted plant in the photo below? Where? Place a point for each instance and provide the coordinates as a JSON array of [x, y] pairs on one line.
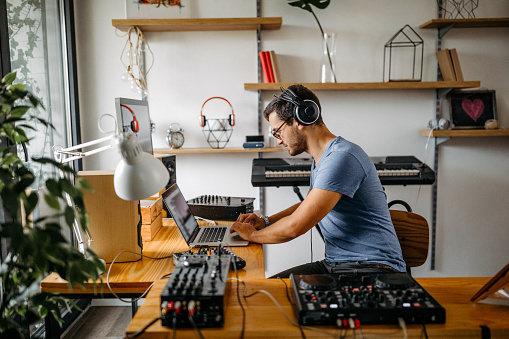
[[35, 245]]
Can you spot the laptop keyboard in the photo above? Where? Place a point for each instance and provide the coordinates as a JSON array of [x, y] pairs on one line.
[[212, 234]]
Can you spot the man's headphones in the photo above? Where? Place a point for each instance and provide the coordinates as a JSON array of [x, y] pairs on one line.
[[203, 119], [135, 126], [306, 112]]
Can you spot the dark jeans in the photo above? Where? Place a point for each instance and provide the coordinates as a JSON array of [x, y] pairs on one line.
[[322, 267]]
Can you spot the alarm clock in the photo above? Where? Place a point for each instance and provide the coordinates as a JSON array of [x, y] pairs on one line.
[[175, 137]]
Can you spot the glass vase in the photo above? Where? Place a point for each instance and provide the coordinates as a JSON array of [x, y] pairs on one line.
[[328, 65]]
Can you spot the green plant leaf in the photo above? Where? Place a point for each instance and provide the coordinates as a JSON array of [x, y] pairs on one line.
[[53, 187], [52, 201], [69, 215], [9, 78], [84, 184], [305, 4]]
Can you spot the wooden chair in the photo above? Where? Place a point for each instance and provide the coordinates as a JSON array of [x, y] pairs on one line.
[[413, 235]]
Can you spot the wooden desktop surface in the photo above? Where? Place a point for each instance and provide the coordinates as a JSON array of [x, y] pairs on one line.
[[264, 320], [135, 277]]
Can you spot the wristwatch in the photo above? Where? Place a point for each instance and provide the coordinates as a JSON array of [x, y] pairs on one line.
[[267, 222]]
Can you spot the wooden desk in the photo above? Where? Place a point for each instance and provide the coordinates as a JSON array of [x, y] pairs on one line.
[[132, 279], [135, 277], [264, 320]]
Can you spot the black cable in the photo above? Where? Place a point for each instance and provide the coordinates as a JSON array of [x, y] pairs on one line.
[[242, 331], [191, 320], [424, 330], [291, 303], [174, 326], [140, 332]]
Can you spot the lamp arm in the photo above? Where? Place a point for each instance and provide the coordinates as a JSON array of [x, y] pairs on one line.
[[76, 155]]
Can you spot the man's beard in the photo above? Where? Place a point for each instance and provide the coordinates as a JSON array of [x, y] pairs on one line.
[[299, 146]]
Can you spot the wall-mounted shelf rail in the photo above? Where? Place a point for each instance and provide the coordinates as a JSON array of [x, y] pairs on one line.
[[367, 85], [206, 24]]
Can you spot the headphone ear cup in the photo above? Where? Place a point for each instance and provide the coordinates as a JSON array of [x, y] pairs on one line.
[[135, 125], [441, 124], [203, 121], [307, 114]]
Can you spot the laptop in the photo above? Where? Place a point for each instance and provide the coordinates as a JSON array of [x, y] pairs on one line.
[[193, 234]]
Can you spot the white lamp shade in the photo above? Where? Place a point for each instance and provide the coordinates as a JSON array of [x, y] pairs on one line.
[[140, 180]]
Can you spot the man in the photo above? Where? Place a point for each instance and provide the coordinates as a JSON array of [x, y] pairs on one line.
[[346, 198]]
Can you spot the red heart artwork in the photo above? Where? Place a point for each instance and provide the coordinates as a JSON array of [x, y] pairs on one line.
[[474, 109]]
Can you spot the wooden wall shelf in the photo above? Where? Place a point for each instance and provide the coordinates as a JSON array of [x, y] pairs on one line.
[[367, 85], [163, 151], [466, 133], [212, 24], [466, 23]]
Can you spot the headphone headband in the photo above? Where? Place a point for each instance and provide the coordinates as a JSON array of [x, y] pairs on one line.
[[203, 120], [306, 112], [135, 126]]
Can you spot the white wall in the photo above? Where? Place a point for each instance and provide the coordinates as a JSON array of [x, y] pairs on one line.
[[189, 67]]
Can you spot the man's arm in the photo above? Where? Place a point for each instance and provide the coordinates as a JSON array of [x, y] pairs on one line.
[[259, 223], [306, 214]]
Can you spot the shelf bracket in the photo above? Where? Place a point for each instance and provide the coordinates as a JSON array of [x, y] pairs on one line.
[[441, 140], [441, 92], [444, 30]]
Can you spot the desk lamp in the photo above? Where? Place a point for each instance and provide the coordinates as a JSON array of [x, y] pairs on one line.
[[138, 175]]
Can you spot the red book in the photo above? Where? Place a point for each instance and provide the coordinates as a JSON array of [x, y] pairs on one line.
[[265, 66], [269, 66]]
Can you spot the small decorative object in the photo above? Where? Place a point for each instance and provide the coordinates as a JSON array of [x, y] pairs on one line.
[[328, 51], [472, 108], [458, 9], [217, 131], [134, 58], [405, 56], [175, 137], [491, 124]]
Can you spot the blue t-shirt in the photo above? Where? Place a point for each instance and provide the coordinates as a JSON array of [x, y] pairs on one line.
[[359, 227]]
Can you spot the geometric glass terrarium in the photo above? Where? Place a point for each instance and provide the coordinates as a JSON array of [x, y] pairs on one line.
[[403, 56]]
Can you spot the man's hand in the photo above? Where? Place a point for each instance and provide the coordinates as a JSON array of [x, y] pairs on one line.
[[252, 219], [244, 230]]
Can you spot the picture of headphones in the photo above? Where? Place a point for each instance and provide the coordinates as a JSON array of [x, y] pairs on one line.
[[203, 119], [135, 126], [306, 112]]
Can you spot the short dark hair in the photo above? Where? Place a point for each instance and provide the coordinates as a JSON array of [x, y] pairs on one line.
[[284, 109]]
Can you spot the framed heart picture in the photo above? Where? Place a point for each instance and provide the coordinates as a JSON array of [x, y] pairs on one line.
[[472, 108]]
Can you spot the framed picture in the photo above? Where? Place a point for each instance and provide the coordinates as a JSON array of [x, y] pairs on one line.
[[471, 109]]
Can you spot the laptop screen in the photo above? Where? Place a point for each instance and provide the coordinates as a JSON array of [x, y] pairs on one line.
[[180, 211]]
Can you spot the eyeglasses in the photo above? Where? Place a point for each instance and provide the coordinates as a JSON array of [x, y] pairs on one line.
[[277, 133]]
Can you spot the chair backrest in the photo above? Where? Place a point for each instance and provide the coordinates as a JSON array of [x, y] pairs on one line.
[[413, 235]]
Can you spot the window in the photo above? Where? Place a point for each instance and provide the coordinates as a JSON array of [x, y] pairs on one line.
[[37, 56]]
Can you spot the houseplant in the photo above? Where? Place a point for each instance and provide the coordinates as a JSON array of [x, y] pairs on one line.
[[320, 4], [35, 245]]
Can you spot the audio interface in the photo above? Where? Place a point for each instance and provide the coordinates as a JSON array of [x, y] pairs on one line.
[[196, 292]]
